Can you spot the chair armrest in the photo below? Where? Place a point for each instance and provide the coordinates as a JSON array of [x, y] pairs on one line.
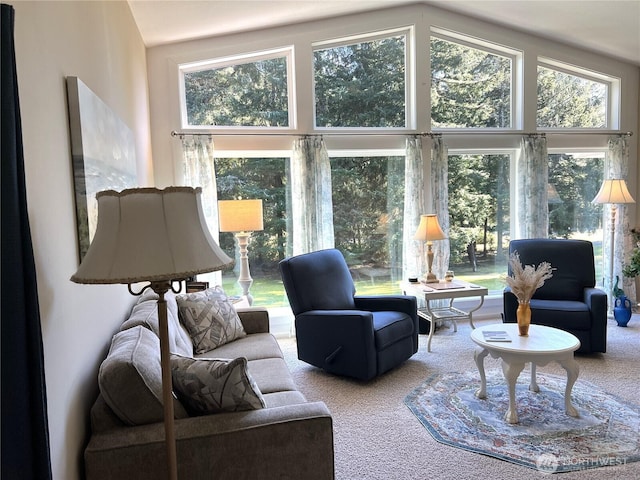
[[254, 319], [596, 300], [395, 303], [343, 320]]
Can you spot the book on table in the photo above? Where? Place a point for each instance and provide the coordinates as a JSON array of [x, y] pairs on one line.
[[496, 336]]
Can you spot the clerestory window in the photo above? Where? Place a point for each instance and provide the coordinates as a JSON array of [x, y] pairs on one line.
[[471, 85], [363, 83], [246, 91], [573, 98]]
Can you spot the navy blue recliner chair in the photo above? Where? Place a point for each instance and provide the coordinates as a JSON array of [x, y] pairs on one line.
[[569, 300], [344, 334]]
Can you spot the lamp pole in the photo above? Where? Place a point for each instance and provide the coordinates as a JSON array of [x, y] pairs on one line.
[[244, 279], [161, 288], [613, 250]]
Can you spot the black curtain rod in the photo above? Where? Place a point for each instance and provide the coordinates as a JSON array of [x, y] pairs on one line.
[[181, 135]]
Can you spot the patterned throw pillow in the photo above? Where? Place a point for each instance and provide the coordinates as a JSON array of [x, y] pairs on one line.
[[211, 385], [210, 319]]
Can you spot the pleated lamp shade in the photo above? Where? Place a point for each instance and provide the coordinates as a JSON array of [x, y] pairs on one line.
[[614, 190], [147, 234]]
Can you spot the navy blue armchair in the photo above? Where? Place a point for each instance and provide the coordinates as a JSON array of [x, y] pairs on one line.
[[569, 300], [345, 334]]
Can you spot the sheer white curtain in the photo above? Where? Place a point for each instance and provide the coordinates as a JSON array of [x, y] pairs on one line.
[[440, 202], [413, 261], [617, 166], [311, 200], [199, 171], [532, 179]]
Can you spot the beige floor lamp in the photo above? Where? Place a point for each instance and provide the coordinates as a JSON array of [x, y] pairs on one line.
[[614, 192], [159, 237], [242, 217]]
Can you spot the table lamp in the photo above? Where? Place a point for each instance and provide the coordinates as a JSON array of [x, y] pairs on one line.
[[428, 231], [613, 191], [155, 236], [242, 217]]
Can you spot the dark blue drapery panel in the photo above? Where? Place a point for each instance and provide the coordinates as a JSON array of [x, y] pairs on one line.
[[25, 431]]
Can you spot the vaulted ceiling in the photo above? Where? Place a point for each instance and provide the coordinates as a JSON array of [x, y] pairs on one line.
[[610, 27]]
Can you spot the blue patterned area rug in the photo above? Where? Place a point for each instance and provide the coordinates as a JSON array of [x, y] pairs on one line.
[[607, 433]]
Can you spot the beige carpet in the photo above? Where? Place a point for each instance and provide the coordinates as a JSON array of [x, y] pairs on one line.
[[377, 437]]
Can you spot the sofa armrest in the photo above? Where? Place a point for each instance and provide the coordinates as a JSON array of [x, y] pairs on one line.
[[254, 319], [266, 443]]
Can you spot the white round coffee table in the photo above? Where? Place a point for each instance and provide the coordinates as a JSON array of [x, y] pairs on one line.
[[541, 346]]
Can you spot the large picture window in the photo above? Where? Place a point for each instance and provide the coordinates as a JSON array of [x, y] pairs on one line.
[[265, 179], [361, 84], [368, 206], [574, 181], [244, 92], [479, 217]]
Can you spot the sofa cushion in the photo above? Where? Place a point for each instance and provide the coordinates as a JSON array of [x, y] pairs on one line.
[[130, 378], [210, 319], [282, 399], [271, 375], [212, 385], [252, 347], [145, 313]]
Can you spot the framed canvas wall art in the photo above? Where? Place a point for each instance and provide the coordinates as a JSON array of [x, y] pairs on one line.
[[103, 155]]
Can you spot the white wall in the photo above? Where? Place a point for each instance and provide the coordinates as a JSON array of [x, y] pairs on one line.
[[99, 43]]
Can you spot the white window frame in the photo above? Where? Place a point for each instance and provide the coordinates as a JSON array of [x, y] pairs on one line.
[[285, 52]]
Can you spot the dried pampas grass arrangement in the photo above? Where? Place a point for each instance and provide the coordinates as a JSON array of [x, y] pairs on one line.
[[524, 281]]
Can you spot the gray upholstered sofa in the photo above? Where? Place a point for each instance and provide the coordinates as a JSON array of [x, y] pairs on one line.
[[290, 438]]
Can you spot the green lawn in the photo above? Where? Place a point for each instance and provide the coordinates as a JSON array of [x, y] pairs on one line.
[[268, 291]]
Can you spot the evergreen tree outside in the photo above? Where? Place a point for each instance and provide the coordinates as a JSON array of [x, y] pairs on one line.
[[569, 101], [243, 95], [470, 88], [361, 85]]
